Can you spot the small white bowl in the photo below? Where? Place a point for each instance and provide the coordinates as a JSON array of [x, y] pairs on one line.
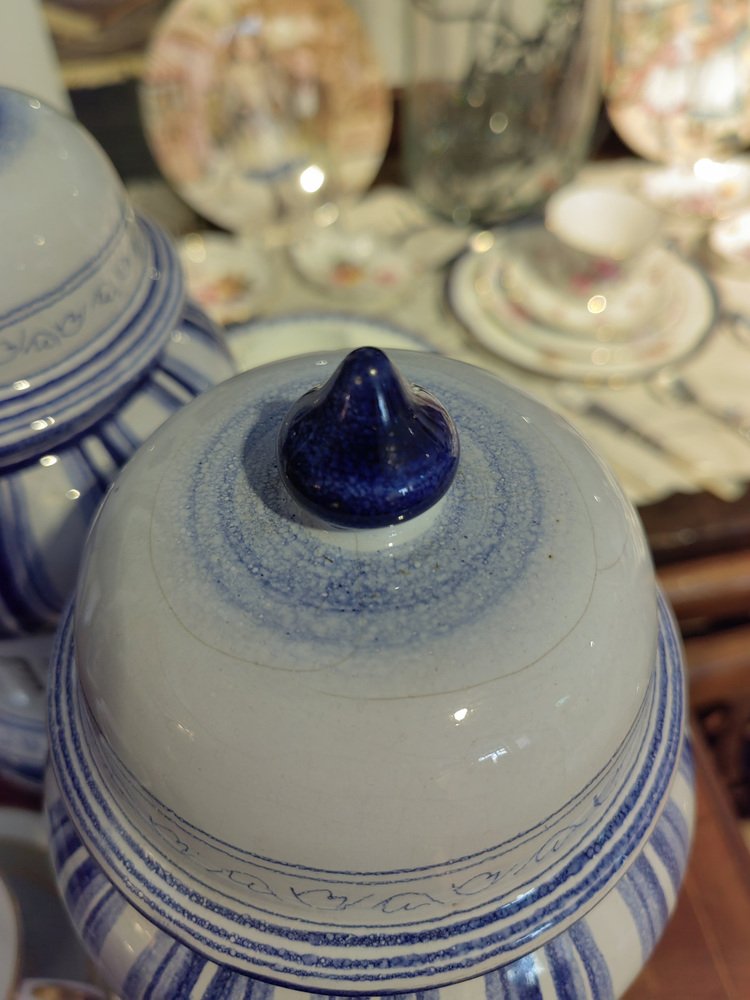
[[354, 266], [606, 223]]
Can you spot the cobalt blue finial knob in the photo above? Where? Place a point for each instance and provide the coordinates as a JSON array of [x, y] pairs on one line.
[[367, 449]]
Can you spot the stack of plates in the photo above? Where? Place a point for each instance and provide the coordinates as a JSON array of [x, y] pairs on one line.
[[656, 319]]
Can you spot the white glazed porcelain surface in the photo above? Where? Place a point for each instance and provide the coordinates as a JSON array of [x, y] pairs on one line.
[[511, 329], [611, 932], [75, 234], [97, 346], [596, 958], [227, 654]]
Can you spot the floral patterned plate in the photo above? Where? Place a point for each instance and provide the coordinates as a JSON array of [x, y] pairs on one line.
[[270, 339], [255, 110], [512, 331]]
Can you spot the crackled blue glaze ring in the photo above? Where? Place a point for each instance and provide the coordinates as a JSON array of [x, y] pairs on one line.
[[367, 450]]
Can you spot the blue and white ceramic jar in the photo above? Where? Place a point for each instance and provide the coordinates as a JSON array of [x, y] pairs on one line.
[[98, 345], [367, 688]]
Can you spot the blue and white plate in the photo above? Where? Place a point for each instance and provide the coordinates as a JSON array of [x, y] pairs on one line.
[[272, 338]]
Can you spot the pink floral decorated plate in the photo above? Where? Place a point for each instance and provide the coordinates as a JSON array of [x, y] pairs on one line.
[[255, 109]]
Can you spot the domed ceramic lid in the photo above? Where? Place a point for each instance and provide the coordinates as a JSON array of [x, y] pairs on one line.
[[89, 292], [376, 708]]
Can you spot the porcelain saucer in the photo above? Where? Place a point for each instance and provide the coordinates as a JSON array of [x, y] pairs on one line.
[[45, 946], [272, 338], [608, 307], [709, 189], [507, 329], [228, 276]]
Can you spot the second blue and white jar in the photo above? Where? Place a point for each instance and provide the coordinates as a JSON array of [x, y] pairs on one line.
[[98, 345]]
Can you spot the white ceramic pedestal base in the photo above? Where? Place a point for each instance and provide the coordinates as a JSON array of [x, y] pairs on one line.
[[596, 958]]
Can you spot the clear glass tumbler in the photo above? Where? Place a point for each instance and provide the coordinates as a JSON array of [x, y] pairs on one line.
[[501, 102]]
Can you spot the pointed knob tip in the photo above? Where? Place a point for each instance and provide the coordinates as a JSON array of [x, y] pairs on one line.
[[367, 449]]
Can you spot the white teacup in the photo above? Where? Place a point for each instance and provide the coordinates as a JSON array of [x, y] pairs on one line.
[[602, 234], [591, 268]]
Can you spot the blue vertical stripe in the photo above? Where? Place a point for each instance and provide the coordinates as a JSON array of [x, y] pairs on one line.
[[669, 853], [63, 840], [517, 981], [177, 975], [102, 916], [86, 478], [85, 455], [224, 986], [28, 594], [81, 887], [673, 820], [169, 391], [643, 894], [118, 439], [593, 961], [147, 969], [564, 970], [686, 766]]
